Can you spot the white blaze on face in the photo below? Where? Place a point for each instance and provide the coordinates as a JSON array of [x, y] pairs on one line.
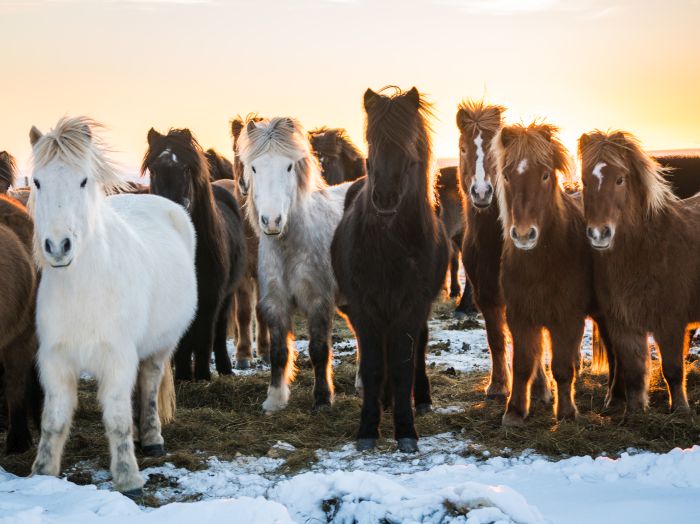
[[598, 173], [522, 166], [480, 185]]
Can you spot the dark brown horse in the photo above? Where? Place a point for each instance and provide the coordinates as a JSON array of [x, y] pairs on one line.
[[18, 343], [340, 159], [179, 171], [478, 123], [246, 297], [220, 168], [647, 268], [683, 172], [547, 268], [7, 171], [390, 215]]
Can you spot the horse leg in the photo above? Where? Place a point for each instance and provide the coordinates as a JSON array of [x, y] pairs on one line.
[[149, 379], [495, 319], [244, 322], [202, 337], [281, 366], [673, 346], [616, 385], [632, 363], [60, 384], [566, 347], [222, 359], [527, 352], [455, 288], [320, 352], [466, 303], [421, 392], [183, 358], [541, 389], [401, 357], [114, 394], [18, 360], [262, 340], [372, 374]]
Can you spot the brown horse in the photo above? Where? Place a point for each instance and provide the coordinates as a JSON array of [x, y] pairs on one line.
[[246, 296], [18, 343], [7, 171], [546, 269], [647, 264], [340, 159], [478, 124]]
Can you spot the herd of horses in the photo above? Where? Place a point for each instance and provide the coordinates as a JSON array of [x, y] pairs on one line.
[[128, 281]]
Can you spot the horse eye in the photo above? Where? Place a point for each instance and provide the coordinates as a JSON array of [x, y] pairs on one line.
[[289, 168], [37, 184], [505, 178], [84, 182], [620, 181], [253, 168], [545, 177], [464, 151]]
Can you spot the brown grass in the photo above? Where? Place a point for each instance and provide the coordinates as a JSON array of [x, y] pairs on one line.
[[224, 418]]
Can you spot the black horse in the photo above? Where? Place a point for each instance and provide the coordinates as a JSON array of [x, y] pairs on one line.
[[389, 256], [220, 167], [340, 160], [179, 171], [7, 171]]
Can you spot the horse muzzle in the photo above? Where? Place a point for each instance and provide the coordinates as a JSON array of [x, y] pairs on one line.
[[526, 240], [601, 238], [58, 254]]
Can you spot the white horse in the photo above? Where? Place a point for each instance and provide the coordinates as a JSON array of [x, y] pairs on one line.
[[118, 289], [295, 214]]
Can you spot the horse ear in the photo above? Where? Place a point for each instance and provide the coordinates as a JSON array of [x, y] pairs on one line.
[[413, 96], [547, 133], [4, 156], [236, 128], [583, 142], [370, 98], [152, 135], [187, 134], [251, 126], [507, 136], [34, 135], [619, 137], [461, 119]]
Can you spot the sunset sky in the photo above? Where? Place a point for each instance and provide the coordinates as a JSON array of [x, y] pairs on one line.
[[133, 64]]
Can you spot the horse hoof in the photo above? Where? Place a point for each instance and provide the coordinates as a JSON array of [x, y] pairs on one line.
[[512, 420], [496, 392], [154, 450], [265, 359], [407, 445], [365, 444], [318, 406], [243, 364], [423, 409], [133, 494], [455, 293]]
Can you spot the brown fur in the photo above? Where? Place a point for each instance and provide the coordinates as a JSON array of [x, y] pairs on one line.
[[18, 343], [648, 279], [548, 288]]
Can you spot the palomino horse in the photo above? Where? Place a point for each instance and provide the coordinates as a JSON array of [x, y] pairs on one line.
[[546, 268], [390, 215], [180, 171], [7, 171], [478, 123], [340, 160], [647, 272], [295, 214], [118, 290], [17, 336]]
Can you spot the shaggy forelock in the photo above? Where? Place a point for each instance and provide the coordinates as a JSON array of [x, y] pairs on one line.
[[477, 114]]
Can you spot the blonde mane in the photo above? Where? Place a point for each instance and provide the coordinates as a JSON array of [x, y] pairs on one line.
[[73, 141], [623, 150]]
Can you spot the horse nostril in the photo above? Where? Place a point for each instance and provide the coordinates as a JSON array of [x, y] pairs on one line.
[[265, 221], [589, 232], [607, 232], [66, 245], [278, 220], [513, 233], [489, 191], [47, 246], [532, 234]]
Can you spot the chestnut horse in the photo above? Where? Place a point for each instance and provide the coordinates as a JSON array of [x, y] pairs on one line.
[[546, 268], [478, 123], [18, 343], [390, 215], [647, 272]]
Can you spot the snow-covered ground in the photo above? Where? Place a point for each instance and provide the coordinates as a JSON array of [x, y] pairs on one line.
[[452, 480]]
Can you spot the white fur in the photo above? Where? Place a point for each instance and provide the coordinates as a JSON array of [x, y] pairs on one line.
[[598, 173], [127, 296], [522, 166]]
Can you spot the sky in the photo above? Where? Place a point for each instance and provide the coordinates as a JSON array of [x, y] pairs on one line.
[[134, 64]]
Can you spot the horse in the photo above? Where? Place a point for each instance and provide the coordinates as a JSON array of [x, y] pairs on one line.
[[295, 215], [647, 274], [450, 209], [247, 295], [117, 291], [390, 216], [179, 171], [546, 266], [220, 168], [682, 172], [340, 159], [478, 124], [8, 168], [18, 343]]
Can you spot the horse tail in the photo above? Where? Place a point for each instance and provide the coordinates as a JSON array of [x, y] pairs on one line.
[[599, 362], [166, 395]]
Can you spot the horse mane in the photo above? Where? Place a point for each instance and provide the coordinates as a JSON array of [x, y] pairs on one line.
[[538, 142], [334, 141], [394, 119], [7, 170], [74, 141], [480, 115], [220, 167], [282, 136], [623, 150], [238, 122]]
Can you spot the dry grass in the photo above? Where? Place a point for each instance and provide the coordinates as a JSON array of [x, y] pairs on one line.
[[224, 418]]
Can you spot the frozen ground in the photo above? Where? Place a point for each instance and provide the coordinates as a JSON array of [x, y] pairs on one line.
[[452, 480]]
